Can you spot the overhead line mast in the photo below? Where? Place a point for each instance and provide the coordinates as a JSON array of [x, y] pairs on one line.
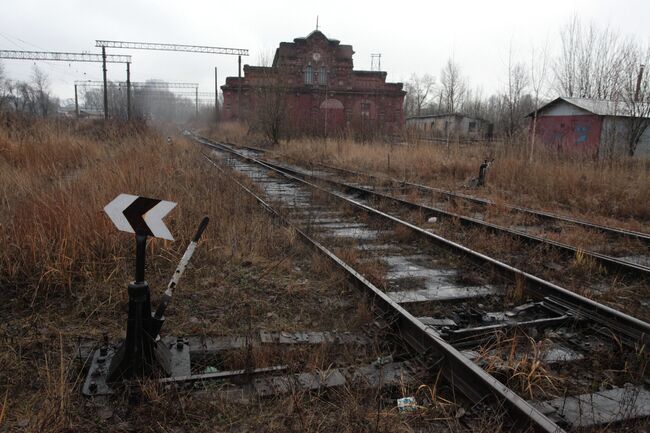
[[62, 57], [150, 84], [179, 47], [171, 47], [77, 57]]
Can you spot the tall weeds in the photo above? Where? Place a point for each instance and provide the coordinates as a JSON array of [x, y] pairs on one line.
[[600, 189], [55, 179]]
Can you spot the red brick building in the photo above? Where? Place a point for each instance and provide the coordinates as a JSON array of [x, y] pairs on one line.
[[313, 86], [593, 127]]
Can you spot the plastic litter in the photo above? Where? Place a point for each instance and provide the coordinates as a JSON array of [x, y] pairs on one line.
[[406, 404]]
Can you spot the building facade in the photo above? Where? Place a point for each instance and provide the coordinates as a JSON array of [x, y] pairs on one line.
[[593, 127], [313, 87], [452, 126]]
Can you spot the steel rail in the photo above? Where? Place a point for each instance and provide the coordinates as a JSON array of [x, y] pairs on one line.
[[645, 237], [633, 328], [462, 373], [608, 262]]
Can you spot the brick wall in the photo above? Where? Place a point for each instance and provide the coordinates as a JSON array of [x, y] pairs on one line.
[[314, 81]]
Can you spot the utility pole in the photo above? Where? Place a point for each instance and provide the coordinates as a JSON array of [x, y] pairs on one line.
[[105, 88], [76, 102], [197, 102], [58, 56], [216, 95], [174, 47], [239, 88], [128, 91]]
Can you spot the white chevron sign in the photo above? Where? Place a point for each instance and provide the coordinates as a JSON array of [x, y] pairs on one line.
[[132, 214]]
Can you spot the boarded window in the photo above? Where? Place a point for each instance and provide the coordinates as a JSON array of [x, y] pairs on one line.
[[471, 127], [365, 109], [322, 76]]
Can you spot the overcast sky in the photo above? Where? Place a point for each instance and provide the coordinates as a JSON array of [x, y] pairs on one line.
[[412, 36]]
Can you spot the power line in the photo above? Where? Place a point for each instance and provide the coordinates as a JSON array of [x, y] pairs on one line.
[[54, 68]]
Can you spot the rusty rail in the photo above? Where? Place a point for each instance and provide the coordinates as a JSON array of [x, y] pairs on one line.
[[469, 378]]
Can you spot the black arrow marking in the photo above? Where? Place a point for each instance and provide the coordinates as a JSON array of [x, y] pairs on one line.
[[135, 212]]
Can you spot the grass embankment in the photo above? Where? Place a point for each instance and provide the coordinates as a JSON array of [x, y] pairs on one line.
[[611, 192], [64, 270]]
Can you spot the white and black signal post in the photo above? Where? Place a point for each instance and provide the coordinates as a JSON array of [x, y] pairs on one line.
[[144, 217], [142, 352]]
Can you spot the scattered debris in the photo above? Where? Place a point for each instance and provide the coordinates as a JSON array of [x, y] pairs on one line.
[[406, 404]]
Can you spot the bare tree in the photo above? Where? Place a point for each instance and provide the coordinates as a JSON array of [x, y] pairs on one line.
[[538, 83], [454, 86], [269, 115], [591, 61], [635, 94], [26, 98], [419, 90], [474, 104], [43, 103], [516, 86]]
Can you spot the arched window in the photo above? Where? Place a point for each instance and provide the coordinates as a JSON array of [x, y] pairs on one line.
[[309, 75], [322, 76]]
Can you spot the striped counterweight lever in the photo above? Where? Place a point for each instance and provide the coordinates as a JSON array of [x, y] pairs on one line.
[[159, 315]]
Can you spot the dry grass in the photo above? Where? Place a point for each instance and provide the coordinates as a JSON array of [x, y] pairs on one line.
[[613, 192], [64, 269], [519, 359]]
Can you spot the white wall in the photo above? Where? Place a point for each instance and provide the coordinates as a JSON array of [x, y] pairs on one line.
[[614, 138], [564, 109]]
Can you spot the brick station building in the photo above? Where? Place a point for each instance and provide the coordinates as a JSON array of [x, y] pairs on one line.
[[313, 84]]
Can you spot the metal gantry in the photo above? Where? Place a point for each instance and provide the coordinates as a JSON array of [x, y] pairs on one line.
[[141, 85], [181, 47], [62, 57], [171, 47], [153, 84], [77, 57]]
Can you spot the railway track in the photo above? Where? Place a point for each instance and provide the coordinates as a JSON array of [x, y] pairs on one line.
[[621, 283], [613, 232], [535, 225], [479, 317]]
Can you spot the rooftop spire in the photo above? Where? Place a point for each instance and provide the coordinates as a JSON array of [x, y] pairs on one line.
[[316, 22]]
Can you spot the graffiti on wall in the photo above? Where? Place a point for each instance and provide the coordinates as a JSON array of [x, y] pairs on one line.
[[571, 134]]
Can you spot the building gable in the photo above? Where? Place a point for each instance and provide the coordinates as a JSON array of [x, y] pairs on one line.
[[310, 71]]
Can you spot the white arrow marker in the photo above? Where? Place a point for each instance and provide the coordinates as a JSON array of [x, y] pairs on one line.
[[154, 217], [115, 210], [131, 213]]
